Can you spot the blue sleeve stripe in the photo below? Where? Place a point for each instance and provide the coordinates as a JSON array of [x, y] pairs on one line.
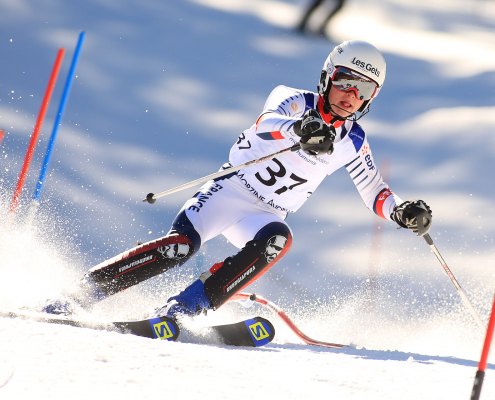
[[282, 110], [375, 185], [358, 174], [351, 162], [366, 177], [285, 123], [357, 166], [369, 183]]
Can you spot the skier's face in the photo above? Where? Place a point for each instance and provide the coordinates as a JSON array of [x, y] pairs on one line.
[[344, 103]]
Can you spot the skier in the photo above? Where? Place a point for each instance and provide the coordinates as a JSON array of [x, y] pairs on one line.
[[249, 207]]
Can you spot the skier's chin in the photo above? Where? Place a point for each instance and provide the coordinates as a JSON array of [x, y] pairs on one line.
[[340, 112]]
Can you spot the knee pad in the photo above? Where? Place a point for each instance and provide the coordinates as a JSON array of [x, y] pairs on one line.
[[183, 226], [147, 260], [225, 279], [275, 236]]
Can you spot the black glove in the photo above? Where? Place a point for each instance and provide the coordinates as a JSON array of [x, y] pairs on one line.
[[414, 215], [316, 136]]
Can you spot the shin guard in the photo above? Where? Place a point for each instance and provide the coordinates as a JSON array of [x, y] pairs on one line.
[[225, 279], [145, 261], [141, 263]]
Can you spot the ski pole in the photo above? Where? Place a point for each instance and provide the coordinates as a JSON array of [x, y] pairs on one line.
[[151, 197], [480, 374], [464, 298]]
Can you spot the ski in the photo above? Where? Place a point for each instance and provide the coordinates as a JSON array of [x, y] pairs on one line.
[[253, 332], [153, 328]]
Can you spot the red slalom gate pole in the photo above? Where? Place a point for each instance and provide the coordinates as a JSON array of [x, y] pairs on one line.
[[2, 132], [272, 306], [480, 374], [37, 129]]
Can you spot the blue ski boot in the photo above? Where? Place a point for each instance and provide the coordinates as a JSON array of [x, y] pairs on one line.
[[190, 302], [64, 305], [84, 297]]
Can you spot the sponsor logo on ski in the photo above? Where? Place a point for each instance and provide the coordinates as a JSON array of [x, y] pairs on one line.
[[134, 263], [294, 106], [367, 67], [162, 330], [258, 331]]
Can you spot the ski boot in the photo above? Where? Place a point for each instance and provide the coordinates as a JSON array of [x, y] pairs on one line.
[[64, 306], [85, 295], [191, 302]]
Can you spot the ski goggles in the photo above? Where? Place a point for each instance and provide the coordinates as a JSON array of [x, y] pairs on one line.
[[345, 79]]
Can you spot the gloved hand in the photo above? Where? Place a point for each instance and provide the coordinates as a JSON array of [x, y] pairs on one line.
[[414, 215], [316, 136]]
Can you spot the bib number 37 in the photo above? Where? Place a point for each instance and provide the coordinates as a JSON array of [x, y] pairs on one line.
[[273, 175]]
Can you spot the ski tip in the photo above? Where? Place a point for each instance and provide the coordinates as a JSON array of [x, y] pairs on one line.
[[261, 330]]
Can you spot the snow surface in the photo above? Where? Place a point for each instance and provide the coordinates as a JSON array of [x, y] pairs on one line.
[[162, 91]]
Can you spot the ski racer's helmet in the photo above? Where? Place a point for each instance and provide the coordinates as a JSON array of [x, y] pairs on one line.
[[367, 72]]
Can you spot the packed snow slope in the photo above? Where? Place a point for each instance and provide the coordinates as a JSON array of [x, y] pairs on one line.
[[163, 89]]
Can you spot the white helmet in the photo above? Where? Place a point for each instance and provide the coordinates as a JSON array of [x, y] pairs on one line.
[[356, 55]]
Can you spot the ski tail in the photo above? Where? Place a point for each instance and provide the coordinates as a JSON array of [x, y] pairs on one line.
[[254, 332]]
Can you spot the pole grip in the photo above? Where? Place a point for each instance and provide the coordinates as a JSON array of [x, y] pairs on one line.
[[295, 147], [428, 239]]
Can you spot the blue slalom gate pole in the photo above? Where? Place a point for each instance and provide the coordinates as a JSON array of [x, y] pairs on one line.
[[61, 109]]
